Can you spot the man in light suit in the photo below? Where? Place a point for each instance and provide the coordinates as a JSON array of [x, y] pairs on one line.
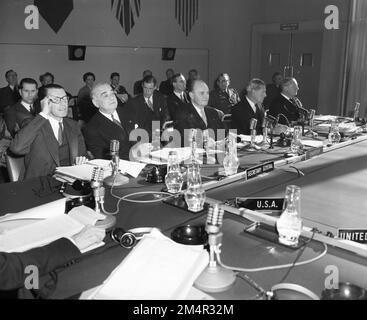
[[50, 140], [20, 114], [250, 107]]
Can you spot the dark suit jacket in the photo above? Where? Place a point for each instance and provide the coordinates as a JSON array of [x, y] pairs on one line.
[[17, 116], [282, 106], [8, 97], [222, 100], [38, 143], [166, 87], [242, 114], [143, 116], [174, 104], [272, 93], [100, 131], [46, 258], [188, 118], [138, 89]]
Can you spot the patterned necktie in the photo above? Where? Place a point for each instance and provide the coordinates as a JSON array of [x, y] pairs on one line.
[[31, 109], [150, 104], [59, 134], [115, 121]]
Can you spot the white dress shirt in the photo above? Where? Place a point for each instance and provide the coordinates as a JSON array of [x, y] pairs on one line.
[[26, 105], [108, 116], [252, 104], [54, 124]]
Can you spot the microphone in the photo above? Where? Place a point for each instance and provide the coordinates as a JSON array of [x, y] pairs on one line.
[[215, 278], [311, 117], [98, 194], [116, 179], [356, 112], [97, 186], [252, 146]]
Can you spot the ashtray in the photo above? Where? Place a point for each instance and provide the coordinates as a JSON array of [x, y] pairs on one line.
[[345, 291], [191, 235]]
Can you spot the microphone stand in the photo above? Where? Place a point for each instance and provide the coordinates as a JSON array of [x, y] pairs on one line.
[[98, 192], [116, 179], [215, 278], [252, 146]]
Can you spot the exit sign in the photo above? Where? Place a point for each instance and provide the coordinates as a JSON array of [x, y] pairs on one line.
[[289, 26]]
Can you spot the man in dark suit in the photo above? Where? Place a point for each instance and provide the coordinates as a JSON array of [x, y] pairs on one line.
[[9, 95], [109, 123], [149, 106], [21, 113], [223, 97], [46, 258], [273, 89], [179, 97], [198, 114], [166, 87], [287, 105], [138, 88], [250, 107], [50, 140]]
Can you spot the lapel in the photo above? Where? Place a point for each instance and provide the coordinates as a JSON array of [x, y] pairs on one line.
[[51, 142], [71, 138], [249, 108], [127, 125], [197, 116], [156, 104]]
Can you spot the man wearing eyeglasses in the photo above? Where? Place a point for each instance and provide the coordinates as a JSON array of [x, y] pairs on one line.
[[50, 140]]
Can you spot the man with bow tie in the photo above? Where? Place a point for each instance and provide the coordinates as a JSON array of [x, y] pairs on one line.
[[287, 106], [21, 113]]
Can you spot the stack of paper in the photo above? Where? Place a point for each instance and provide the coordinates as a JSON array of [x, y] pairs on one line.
[[84, 171], [43, 224], [157, 268]]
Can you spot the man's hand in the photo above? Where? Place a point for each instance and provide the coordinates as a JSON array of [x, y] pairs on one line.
[[88, 236], [80, 160], [45, 106]]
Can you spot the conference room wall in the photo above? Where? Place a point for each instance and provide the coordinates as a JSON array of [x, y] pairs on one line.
[[223, 31]]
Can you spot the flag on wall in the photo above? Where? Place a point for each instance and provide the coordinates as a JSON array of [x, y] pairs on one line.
[[186, 13], [54, 12], [126, 12]]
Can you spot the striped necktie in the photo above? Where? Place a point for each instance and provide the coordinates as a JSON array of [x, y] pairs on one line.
[[59, 133], [115, 121], [203, 116], [150, 104]]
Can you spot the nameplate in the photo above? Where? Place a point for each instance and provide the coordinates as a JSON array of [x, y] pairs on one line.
[[356, 235], [262, 168], [314, 152], [260, 204]]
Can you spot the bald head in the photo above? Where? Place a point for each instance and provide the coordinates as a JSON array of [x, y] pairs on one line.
[[199, 93]]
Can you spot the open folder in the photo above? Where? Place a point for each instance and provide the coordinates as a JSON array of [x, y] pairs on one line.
[[156, 269], [43, 224]]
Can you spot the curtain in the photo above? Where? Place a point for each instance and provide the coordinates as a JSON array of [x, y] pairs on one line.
[[356, 73]]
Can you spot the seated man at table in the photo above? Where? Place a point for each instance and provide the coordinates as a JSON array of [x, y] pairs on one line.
[[287, 106], [250, 107], [109, 123], [197, 114], [46, 258], [50, 140]]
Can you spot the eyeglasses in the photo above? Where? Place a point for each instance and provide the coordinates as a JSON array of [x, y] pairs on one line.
[[58, 100]]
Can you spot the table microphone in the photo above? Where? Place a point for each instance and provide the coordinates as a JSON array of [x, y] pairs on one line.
[[252, 146], [215, 278], [116, 179], [98, 194], [356, 112]]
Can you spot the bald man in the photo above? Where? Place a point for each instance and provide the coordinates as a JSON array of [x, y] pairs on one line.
[[197, 114]]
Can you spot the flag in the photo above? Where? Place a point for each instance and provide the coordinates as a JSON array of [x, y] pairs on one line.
[[186, 13], [126, 12], [54, 12]]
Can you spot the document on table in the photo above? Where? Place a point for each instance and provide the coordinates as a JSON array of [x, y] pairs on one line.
[[43, 224], [157, 268]]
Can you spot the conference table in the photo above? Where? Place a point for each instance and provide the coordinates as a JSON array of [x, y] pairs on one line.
[[333, 196]]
